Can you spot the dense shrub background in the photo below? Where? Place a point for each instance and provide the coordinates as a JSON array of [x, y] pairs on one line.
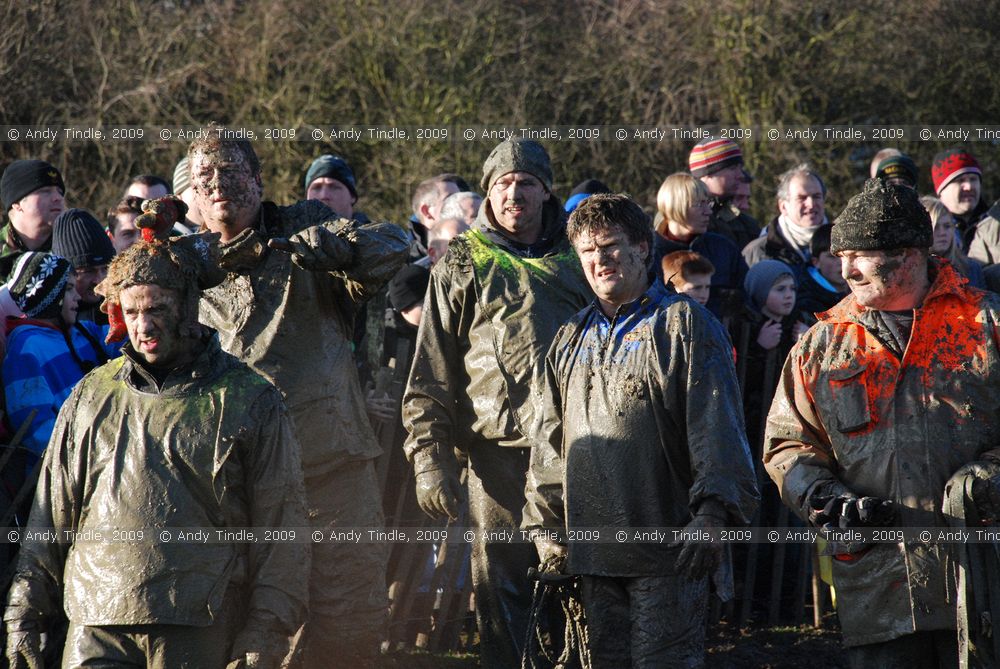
[[447, 62]]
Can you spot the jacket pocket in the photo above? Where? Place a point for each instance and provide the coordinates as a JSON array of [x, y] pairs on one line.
[[851, 403]]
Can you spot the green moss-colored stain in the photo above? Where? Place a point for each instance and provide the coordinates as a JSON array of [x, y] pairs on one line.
[[485, 253]]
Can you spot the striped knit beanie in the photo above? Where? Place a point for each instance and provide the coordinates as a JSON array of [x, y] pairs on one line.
[[38, 282], [711, 155]]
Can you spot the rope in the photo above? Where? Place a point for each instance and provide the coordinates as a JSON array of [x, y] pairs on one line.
[[553, 588]]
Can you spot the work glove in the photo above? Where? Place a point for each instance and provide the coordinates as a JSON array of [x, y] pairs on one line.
[[24, 649], [316, 248], [439, 491], [847, 510], [551, 554], [698, 559]]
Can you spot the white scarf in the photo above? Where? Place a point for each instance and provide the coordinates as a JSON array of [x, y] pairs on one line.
[[797, 236]]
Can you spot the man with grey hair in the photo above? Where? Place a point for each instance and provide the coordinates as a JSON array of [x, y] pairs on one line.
[[463, 205], [492, 308], [801, 211]]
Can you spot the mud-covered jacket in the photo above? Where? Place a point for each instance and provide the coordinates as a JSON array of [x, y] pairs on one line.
[[211, 448], [489, 316], [850, 415], [294, 326], [643, 425]]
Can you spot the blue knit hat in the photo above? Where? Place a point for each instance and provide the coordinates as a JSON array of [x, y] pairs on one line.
[[761, 278]]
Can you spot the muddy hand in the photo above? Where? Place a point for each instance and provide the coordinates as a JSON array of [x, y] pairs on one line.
[[438, 493], [697, 559]]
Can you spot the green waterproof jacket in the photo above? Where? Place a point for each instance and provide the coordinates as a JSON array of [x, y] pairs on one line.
[[294, 325], [491, 311], [850, 415], [643, 426], [212, 448]]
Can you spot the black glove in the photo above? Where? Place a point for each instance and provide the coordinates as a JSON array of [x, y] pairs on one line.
[[847, 510], [439, 491]]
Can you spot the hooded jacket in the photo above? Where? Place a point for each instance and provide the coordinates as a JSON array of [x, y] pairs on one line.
[[211, 448], [642, 426], [294, 326], [491, 311], [849, 415]]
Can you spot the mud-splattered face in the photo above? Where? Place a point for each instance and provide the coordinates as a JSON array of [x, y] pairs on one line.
[[615, 267], [697, 287], [516, 199], [961, 195], [781, 298], [805, 204], [227, 193], [333, 194], [887, 282], [153, 319], [944, 234]]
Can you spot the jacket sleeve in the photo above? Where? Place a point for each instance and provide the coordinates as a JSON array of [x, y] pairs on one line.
[[797, 454], [985, 246], [543, 490], [430, 400], [36, 592], [279, 571], [721, 467], [363, 255], [27, 389]]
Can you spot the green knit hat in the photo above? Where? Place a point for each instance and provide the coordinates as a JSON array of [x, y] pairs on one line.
[[517, 155], [882, 217]]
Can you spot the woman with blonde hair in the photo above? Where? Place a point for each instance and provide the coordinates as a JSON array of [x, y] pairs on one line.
[[683, 213], [946, 243]]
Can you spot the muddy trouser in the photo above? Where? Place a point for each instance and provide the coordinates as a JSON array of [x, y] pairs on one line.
[[156, 646], [645, 621], [499, 570], [921, 650], [348, 601]]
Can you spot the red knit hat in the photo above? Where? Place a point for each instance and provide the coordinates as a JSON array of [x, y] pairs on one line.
[[951, 164], [711, 155]]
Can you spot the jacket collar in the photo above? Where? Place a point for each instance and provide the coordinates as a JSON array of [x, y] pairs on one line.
[[207, 365]]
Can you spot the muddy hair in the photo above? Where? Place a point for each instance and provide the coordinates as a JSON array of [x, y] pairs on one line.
[[211, 141], [607, 211], [159, 263]]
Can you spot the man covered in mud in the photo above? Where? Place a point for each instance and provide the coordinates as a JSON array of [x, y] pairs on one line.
[[886, 406], [295, 278], [174, 434], [494, 303], [643, 429]]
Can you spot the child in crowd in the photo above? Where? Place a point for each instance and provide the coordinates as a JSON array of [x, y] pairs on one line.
[[823, 285], [689, 273], [768, 328]]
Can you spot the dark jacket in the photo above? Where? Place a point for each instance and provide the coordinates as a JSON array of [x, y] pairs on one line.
[[731, 223]]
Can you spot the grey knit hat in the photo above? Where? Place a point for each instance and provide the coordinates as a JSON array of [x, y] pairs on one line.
[[882, 217], [517, 155], [79, 238], [760, 279], [38, 282], [332, 167]]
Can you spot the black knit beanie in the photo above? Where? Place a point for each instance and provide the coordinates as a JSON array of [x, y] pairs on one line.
[[79, 238], [882, 217], [24, 177], [38, 283]]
